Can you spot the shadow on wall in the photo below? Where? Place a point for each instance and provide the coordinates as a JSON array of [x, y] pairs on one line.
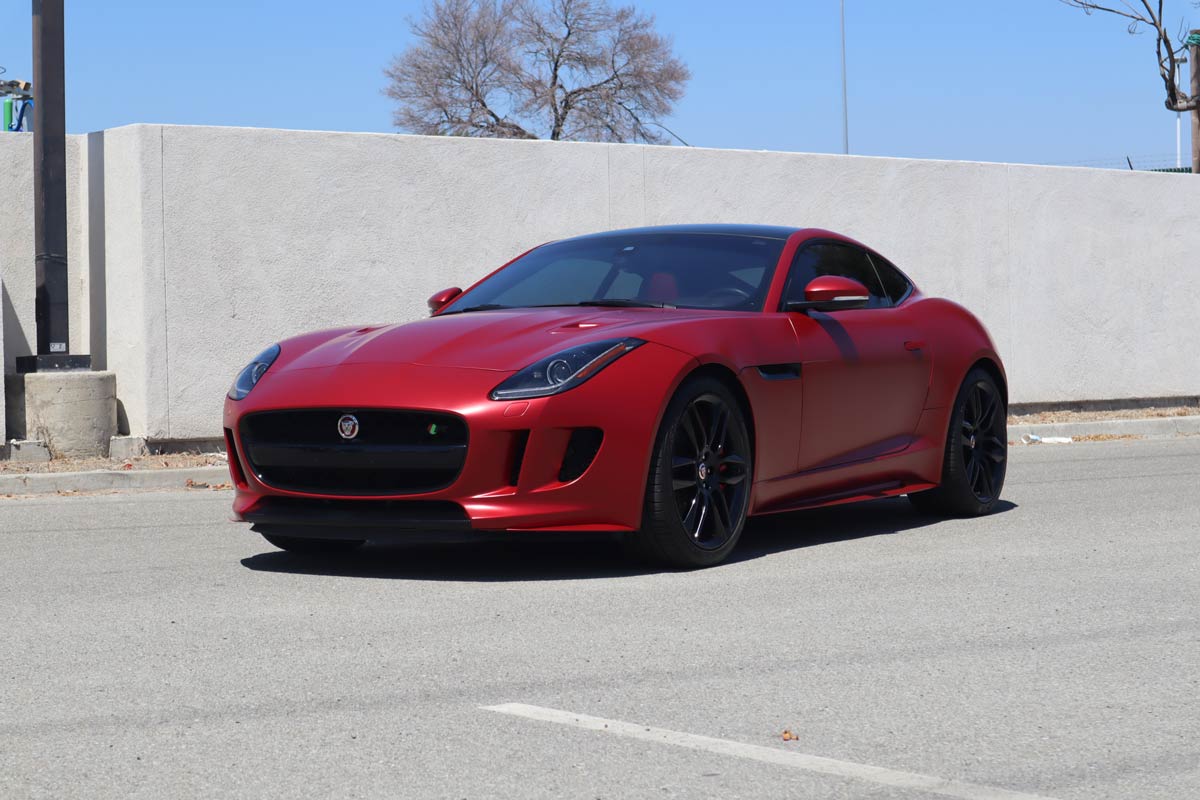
[[15, 342], [97, 302]]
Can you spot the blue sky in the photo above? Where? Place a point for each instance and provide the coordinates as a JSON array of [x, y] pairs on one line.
[[1019, 80]]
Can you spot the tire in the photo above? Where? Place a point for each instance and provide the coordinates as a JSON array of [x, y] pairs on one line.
[[698, 488], [313, 547], [976, 452]]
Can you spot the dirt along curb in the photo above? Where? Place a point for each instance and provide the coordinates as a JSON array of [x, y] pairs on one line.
[[26, 483], [1147, 428]]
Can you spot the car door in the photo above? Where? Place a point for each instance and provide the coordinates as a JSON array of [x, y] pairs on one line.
[[865, 371]]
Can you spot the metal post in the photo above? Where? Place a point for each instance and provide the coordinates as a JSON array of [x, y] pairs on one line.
[[50, 195], [845, 95], [1179, 120], [1194, 70]]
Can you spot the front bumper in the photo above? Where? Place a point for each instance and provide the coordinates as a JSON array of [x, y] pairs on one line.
[[625, 402]]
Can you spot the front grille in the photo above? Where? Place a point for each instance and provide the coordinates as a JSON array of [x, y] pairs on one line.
[[393, 453]]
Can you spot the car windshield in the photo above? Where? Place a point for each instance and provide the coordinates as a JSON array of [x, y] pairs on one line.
[[682, 270]]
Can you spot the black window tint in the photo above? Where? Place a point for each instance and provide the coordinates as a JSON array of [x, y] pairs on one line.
[[894, 283], [829, 258], [565, 276]]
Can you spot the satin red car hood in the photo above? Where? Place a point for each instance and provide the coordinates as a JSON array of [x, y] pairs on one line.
[[499, 340]]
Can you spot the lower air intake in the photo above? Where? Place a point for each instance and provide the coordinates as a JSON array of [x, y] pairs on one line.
[[581, 452]]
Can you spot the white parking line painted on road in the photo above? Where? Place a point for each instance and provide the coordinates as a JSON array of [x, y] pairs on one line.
[[769, 755]]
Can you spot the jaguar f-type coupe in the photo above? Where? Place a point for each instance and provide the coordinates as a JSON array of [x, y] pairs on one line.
[[661, 384]]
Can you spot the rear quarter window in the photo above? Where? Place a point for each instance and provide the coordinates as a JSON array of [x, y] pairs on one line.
[[895, 285]]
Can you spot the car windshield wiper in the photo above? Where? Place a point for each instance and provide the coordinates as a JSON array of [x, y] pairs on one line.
[[618, 303], [484, 307]]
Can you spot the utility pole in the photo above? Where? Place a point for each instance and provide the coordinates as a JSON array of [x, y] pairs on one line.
[[1193, 41], [51, 311], [1178, 129], [845, 94]]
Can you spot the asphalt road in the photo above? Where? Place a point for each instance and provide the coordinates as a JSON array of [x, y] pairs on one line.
[[149, 648]]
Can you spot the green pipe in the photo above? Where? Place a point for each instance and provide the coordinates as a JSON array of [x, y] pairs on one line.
[[7, 113]]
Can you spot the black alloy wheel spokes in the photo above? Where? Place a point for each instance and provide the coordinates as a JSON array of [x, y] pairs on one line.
[[984, 445], [708, 472]]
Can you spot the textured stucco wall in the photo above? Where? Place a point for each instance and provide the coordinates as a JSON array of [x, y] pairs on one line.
[[210, 243], [4, 400], [134, 283], [267, 233]]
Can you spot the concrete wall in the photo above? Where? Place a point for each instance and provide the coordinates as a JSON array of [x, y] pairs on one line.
[[209, 243]]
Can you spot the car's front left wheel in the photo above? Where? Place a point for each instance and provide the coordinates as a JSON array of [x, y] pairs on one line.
[[698, 492], [976, 455]]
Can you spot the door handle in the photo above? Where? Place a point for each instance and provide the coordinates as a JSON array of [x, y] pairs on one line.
[[914, 345]]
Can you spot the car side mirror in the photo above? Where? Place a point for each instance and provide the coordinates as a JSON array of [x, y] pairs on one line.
[[832, 293], [443, 297]]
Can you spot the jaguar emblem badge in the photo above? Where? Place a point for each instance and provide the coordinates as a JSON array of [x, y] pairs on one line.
[[347, 426]]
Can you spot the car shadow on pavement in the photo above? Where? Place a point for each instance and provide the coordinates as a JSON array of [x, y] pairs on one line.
[[566, 557]]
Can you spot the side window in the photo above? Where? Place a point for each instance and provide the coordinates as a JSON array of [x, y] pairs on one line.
[[830, 258], [894, 283]]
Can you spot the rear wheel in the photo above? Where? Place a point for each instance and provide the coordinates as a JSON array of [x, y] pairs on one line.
[[313, 547], [698, 492], [976, 452]]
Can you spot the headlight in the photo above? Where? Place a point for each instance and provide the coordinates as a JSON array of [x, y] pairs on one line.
[[563, 371], [253, 372]]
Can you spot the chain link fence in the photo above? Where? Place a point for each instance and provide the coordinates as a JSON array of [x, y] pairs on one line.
[[1152, 162]]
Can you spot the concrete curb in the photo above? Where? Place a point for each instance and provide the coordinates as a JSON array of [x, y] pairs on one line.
[[1150, 428], [114, 480], [109, 480]]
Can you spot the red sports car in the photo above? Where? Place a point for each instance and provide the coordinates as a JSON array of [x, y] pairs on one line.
[[663, 384]]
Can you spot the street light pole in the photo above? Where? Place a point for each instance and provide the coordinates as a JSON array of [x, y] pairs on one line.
[[50, 196], [845, 96], [1178, 128]]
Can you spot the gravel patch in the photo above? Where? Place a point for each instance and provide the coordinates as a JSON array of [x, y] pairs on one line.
[[165, 461]]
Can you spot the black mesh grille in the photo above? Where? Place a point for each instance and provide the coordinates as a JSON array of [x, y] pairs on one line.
[[392, 452]]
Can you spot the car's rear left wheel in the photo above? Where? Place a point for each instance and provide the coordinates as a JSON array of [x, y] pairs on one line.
[[698, 492], [303, 546]]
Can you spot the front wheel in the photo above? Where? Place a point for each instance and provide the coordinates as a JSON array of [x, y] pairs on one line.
[[976, 456], [698, 491]]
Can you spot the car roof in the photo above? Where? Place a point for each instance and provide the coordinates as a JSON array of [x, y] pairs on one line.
[[758, 231]]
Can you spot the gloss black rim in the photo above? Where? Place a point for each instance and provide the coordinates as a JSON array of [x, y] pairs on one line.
[[984, 442], [709, 466]]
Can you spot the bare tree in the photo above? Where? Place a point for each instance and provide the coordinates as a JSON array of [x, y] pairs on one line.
[[1171, 53], [529, 69]]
